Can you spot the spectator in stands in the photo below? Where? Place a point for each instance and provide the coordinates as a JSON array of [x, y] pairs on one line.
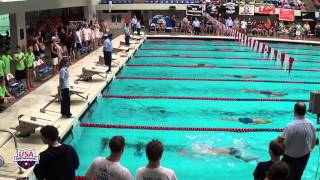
[[54, 55], [299, 140], [236, 23], [59, 161], [154, 170], [97, 34], [185, 24], [138, 27], [196, 26], [298, 30], [107, 51], [244, 26], [110, 167], [30, 58], [78, 40], [5, 96], [70, 43], [7, 58], [64, 88], [2, 64], [134, 22], [229, 22], [278, 171], [306, 26], [126, 34], [85, 36], [20, 59], [276, 150]]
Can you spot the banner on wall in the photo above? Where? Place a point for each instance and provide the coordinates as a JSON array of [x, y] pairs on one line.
[[246, 10], [267, 9], [308, 16], [229, 8], [286, 15], [194, 10]]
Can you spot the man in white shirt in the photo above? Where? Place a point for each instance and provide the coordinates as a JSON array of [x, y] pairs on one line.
[[229, 22], [153, 170], [110, 168], [134, 21], [196, 26], [243, 25], [299, 140]]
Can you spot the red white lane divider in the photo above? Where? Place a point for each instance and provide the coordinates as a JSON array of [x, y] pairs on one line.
[[108, 96]]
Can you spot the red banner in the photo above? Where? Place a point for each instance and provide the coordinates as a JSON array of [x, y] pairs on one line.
[[286, 15], [267, 9]]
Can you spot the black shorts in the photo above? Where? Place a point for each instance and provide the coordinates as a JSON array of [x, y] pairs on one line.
[[78, 45], [20, 74]]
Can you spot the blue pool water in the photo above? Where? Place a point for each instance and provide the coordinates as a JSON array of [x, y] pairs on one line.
[[188, 75]]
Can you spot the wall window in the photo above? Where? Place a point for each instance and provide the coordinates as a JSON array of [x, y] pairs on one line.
[[116, 18]]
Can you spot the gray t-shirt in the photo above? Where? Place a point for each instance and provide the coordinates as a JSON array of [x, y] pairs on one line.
[[300, 137]]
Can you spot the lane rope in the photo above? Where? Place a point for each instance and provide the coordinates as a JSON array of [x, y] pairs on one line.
[[166, 128], [108, 96], [218, 67], [215, 80]]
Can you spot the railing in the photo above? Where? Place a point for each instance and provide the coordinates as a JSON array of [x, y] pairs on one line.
[[15, 143]]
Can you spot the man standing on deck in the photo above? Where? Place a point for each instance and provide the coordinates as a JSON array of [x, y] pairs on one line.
[[299, 140], [107, 50], [126, 34]]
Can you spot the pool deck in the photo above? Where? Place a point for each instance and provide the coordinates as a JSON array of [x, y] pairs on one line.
[[31, 104]]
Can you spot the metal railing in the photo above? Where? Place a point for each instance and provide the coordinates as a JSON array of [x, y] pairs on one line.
[[15, 143]]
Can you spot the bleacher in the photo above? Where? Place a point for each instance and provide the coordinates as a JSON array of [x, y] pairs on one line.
[[153, 1]]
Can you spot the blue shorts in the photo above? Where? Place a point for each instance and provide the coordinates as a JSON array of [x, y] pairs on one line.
[[246, 120]]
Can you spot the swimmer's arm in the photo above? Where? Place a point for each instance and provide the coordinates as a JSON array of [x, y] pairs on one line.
[[249, 159], [219, 151], [231, 119]]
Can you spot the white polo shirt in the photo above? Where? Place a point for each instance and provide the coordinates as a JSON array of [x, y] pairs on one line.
[[160, 173], [102, 168], [300, 137]]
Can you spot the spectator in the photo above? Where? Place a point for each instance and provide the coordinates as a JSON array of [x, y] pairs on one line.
[[30, 58], [298, 30], [126, 34], [78, 40], [19, 58], [134, 22], [59, 161], [54, 55], [278, 171], [7, 58], [70, 43], [185, 24], [2, 64], [64, 88], [299, 140], [5, 96], [154, 170], [306, 26], [107, 51], [96, 28], [138, 27], [276, 150], [196, 26], [110, 167], [244, 26], [229, 22]]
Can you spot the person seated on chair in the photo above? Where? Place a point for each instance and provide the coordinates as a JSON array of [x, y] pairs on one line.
[[5, 96], [247, 120]]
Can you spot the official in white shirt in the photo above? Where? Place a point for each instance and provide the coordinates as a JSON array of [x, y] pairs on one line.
[[196, 26], [107, 50], [299, 140]]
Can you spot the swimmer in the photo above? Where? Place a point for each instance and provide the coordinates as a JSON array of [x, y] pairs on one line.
[[268, 93], [219, 151], [247, 120], [139, 147], [244, 76]]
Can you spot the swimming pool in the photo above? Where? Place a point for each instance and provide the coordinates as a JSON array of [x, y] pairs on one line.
[[148, 91]]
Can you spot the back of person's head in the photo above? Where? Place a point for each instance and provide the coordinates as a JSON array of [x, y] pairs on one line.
[[50, 133], [276, 147], [278, 171], [300, 109], [63, 63], [154, 150], [117, 144]]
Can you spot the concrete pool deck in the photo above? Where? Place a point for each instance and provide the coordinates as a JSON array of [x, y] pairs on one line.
[[34, 101]]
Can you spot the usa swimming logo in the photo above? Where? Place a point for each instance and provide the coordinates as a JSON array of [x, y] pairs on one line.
[[26, 158]]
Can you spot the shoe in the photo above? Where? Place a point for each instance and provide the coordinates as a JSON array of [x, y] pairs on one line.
[[109, 71], [67, 116]]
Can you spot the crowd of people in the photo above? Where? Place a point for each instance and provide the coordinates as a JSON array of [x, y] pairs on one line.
[[46, 48], [289, 154]]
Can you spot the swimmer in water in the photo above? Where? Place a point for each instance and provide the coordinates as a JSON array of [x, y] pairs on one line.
[[139, 147], [268, 93], [247, 120], [219, 151], [244, 76], [104, 143]]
